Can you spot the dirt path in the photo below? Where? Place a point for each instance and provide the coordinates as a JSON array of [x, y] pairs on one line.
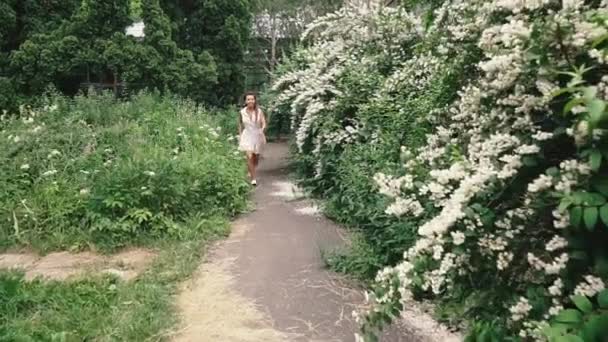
[[64, 265], [266, 282]]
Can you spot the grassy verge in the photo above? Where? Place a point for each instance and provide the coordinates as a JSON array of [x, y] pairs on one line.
[[100, 174], [96, 173], [104, 308]]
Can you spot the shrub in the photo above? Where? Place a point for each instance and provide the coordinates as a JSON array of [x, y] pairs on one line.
[[498, 125]]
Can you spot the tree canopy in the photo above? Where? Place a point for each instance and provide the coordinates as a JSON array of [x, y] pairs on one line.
[[192, 48]]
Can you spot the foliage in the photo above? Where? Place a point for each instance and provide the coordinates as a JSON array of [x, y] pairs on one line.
[[108, 173], [488, 124], [586, 321], [220, 28], [68, 43]]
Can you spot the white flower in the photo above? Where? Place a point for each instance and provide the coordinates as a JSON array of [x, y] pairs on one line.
[[150, 173], [542, 136], [572, 4], [437, 252], [457, 238], [49, 173], [520, 310], [556, 289], [504, 259], [556, 243], [561, 220], [25, 167], [535, 262], [541, 183], [557, 265], [84, 192], [528, 149], [555, 310], [590, 287], [403, 206]]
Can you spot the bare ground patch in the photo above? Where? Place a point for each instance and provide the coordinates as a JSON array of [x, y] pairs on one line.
[[65, 265], [211, 310]]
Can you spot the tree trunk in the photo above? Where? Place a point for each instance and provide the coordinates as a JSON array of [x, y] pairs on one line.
[[273, 42]]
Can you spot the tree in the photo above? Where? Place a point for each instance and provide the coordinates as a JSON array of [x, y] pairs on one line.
[[84, 41], [220, 28], [21, 19], [278, 25]]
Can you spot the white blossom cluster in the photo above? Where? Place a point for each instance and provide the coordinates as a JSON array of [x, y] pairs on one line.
[[338, 39], [479, 144], [494, 120]]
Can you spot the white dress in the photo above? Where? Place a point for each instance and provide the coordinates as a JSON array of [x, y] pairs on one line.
[[252, 138]]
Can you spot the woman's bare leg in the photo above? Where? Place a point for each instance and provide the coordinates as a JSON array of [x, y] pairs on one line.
[[250, 166], [256, 160]]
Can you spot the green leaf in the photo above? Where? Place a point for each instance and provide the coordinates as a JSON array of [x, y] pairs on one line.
[[582, 303], [589, 93], [576, 215], [484, 336], [599, 40], [578, 197], [595, 159], [594, 199], [529, 161], [600, 184], [572, 103], [552, 171], [592, 330], [554, 332], [590, 217], [579, 255], [569, 316], [604, 214], [569, 338], [602, 299], [601, 265], [596, 108], [564, 204], [562, 91]]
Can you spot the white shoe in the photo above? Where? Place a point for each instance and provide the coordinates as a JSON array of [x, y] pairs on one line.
[[254, 182]]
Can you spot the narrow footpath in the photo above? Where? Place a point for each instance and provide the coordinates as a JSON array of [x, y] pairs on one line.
[[266, 282]]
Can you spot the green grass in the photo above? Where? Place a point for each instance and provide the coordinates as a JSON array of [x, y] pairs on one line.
[[104, 308], [97, 173], [154, 171]]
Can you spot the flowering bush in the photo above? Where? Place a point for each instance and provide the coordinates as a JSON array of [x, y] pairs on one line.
[[94, 170], [500, 110]]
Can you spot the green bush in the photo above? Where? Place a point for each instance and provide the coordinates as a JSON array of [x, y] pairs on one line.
[[483, 124], [105, 172]]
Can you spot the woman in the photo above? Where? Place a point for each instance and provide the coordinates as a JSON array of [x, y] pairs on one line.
[[252, 125]]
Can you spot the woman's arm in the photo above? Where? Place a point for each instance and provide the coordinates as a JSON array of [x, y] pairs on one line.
[[263, 121]]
